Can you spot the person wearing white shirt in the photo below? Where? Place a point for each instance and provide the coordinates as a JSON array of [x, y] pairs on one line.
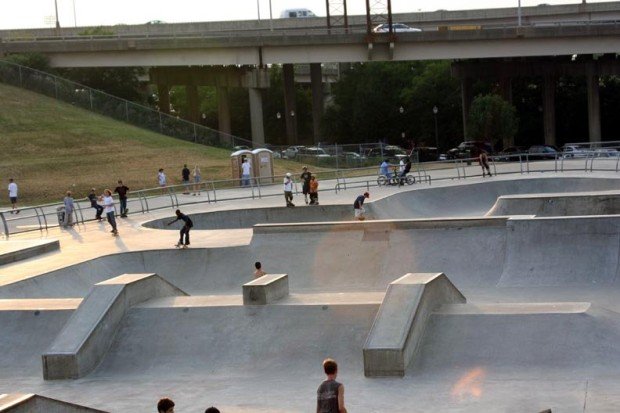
[[161, 180], [246, 168], [13, 196], [108, 203], [288, 190]]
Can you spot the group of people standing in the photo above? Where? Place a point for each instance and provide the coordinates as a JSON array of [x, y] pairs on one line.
[[310, 188], [107, 207], [162, 180]]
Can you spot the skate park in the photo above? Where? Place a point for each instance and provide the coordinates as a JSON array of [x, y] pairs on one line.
[[523, 318]]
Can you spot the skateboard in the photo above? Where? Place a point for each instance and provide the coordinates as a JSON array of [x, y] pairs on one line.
[[182, 247], [115, 234]]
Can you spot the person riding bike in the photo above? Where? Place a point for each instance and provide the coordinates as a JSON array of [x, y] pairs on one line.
[[384, 169], [404, 171]]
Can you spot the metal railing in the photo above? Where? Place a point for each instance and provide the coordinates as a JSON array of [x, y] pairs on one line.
[[43, 217], [114, 107]]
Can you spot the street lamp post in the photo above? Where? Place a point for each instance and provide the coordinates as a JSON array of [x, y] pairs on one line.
[[57, 22], [519, 13], [435, 111]]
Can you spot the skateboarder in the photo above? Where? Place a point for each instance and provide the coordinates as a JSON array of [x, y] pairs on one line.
[[330, 394], [483, 160], [305, 179], [122, 190], [288, 190], [187, 226], [108, 202], [358, 206]]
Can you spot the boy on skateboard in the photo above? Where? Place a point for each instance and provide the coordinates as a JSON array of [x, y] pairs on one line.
[[187, 226]]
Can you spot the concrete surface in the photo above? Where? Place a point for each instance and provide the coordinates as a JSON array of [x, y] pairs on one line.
[[16, 251], [540, 329], [34, 403], [83, 341], [399, 325], [578, 203], [265, 290]]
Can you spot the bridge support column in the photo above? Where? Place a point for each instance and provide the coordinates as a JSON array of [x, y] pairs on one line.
[[594, 107], [290, 108], [163, 93], [549, 109], [466, 98], [256, 116], [223, 112], [193, 107], [316, 78]]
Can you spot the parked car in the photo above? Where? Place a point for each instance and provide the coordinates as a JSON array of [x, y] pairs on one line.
[[392, 153], [574, 151], [509, 154], [353, 157], [543, 152], [313, 151], [396, 28], [427, 153], [240, 148], [469, 149], [291, 151], [606, 153]]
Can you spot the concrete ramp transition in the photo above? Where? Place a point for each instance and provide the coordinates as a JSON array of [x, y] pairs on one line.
[[34, 403], [86, 337], [551, 205], [399, 326]]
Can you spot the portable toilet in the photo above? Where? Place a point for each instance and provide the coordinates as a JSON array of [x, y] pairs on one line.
[[236, 159], [262, 168]]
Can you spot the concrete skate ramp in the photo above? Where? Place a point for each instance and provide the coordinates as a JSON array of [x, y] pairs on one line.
[[331, 257], [578, 203], [561, 251], [25, 336], [237, 341], [34, 403], [520, 337], [469, 199]]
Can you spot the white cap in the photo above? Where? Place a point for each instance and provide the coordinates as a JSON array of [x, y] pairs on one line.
[[288, 174]]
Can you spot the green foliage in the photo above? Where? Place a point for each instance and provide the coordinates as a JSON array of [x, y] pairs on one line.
[[97, 31], [118, 81], [36, 61], [492, 119]]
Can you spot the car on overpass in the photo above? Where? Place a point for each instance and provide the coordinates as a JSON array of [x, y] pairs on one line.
[[396, 28], [296, 14]]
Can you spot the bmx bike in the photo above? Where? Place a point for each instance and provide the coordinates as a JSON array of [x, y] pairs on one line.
[[395, 179]]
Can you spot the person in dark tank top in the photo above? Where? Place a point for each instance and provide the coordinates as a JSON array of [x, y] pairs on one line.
[[330, 394]]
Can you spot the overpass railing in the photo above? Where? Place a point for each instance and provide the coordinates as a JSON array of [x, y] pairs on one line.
[[111, 106], [43, 217]]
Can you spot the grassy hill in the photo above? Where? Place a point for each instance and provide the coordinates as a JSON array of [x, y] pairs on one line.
[[49, 147]]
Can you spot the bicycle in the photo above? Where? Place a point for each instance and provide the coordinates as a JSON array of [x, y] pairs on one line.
[[395, 179]]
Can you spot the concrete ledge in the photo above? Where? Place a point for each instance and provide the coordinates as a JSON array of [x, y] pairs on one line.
[[33, 403], [381, 225], [84, 340], [16, 252], [400, 322], [266, 289], [558, 204]]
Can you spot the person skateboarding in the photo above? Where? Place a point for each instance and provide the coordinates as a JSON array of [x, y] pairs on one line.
[[483, 160], [187, 226], [358, 206]]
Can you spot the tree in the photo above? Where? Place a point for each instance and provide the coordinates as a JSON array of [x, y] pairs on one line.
[[36, 61], [492, 119]]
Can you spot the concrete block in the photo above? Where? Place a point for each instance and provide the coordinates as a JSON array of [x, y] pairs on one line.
[[88, 334], [34, 403], [266, 289], [17, 251], [400, 322]]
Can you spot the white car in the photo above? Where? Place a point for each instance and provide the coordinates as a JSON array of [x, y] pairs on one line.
[[574, 151], [396, 28]]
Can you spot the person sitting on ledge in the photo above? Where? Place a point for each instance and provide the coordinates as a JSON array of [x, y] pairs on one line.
[[212, 410]]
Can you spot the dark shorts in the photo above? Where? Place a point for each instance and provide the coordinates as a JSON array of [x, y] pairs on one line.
[[305, 189], [13, 199]]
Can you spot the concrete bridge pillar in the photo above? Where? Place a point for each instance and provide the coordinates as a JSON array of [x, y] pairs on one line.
[[193, 104], [466, 98], [316, 79], [223, 111], [549, 109], [290, 108], [594, 107], [256, 116], [163, 93]]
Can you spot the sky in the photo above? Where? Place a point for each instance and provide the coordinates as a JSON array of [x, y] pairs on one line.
[[16, 14]]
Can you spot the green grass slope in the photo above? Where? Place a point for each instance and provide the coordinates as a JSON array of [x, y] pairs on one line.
[[50, 147]]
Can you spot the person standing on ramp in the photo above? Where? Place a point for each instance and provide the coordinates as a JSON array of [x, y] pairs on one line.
[[358, 206], [188, 224], [330, 394]]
